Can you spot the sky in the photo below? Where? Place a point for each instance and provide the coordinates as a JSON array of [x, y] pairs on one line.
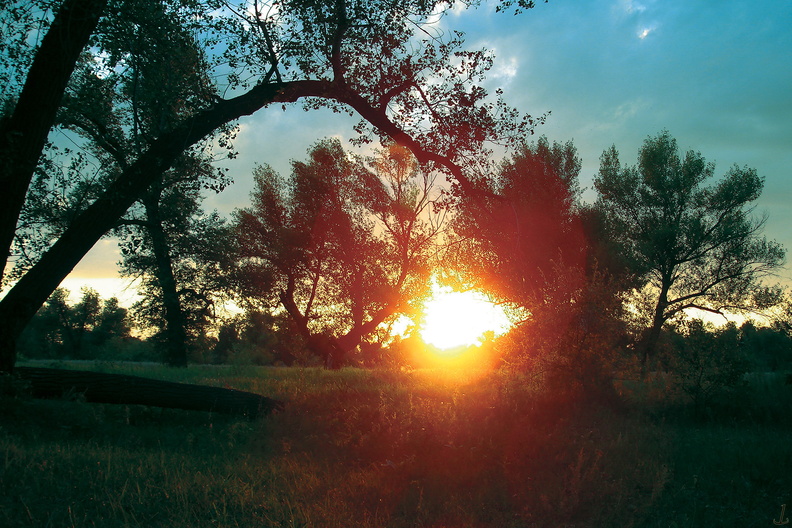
[[717, 74]]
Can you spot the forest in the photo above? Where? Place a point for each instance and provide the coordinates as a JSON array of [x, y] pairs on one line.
[[657, 299]]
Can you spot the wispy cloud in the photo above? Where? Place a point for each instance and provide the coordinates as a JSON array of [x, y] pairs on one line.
[[631, 6], [505, 69], [645, 31]]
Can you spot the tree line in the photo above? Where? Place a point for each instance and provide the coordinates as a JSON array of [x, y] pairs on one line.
[[169, 79], [322, 260], [325, 258]]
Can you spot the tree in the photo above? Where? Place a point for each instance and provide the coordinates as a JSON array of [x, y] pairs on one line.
[[24, 129], [117, 111], [284, 52], [113, 323], [528, 240], [340, 247], [708, 360], [521, 238], [510, 237], [199, 254], [113, 111], [695, 246], [43, 336], [76, 331]]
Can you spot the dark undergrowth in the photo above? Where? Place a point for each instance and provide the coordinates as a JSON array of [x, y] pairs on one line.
[[399, 449]]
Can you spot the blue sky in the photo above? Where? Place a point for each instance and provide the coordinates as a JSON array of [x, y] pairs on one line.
[[716, 74]]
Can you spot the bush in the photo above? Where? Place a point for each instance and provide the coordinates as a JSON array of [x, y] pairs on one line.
[[708, 361]]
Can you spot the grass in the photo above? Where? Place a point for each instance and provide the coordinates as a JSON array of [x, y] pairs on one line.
[[396, 449]]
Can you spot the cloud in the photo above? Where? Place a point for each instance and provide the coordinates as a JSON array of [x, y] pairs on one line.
[[435, 21], [630, 7], [627, 8], [504, 70], [645, 31]]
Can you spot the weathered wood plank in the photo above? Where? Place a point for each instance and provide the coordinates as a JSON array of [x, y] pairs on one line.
[[99, 387]]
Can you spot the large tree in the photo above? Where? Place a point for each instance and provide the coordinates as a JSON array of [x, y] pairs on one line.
[[695, 246], [111, 112], [29, 113], [340, 246], [378, 59], [528, 240], [165, 78], [521, 238], [183, 274]]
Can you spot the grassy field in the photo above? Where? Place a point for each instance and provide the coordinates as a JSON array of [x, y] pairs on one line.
[[358, 448]]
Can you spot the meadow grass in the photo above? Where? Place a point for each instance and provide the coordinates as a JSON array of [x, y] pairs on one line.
[[388, 448]]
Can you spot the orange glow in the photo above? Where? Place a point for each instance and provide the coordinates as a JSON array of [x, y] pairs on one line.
[[455, 320]]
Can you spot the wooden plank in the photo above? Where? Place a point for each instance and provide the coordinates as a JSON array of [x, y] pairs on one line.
[[99, 387]]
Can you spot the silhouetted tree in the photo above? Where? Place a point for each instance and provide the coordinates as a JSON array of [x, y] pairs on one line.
[[515, 236], [114, 112], [29, 114], [766, 347], [340, 247], [77, 331], [287, 52], [117, 112], [694, 246], [113, 323], [200, 255], [227, 338], [707, 360], [521, 238]]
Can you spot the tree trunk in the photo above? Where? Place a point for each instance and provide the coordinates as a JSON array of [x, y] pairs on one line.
[[32, 290], [24, 133], [98, 387], [649, 346], [175, 334]]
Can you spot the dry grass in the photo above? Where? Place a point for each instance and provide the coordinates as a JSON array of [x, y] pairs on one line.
[[385, 448]]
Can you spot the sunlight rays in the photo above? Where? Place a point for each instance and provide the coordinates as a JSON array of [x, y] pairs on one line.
[[458, 319]]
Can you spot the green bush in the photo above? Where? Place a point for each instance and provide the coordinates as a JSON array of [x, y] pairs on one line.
[[708, 361]]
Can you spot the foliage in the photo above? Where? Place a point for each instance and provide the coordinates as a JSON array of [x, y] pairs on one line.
[[391, 55], [767, 348], [522, 238], [19, 22], [152, 75], [202, 254], [89, 329], [260, 338], [694, 246], [283, 52], [708, 361], [519, 237], [340, 246]]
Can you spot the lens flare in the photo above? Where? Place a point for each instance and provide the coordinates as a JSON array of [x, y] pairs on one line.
[[455, 319]]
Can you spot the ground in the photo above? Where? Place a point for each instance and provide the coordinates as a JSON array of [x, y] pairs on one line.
[[389, 448]]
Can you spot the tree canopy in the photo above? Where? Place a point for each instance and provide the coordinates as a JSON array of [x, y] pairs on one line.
[[342, 245], [521, 238], [695, 246], [377, 59]]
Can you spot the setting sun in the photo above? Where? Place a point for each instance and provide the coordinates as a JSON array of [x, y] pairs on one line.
[[454, 319]]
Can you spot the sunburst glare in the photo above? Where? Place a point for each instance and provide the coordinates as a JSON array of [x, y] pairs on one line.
[[455, 319]]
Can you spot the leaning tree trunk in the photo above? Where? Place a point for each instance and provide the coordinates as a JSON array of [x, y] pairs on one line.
[[98, 387], [24, 132], [32, 290]]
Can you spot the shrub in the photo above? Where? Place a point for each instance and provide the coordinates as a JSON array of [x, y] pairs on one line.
[[708, 361]]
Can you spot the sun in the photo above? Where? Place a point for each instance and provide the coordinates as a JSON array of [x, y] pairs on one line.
[[455, 319]]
